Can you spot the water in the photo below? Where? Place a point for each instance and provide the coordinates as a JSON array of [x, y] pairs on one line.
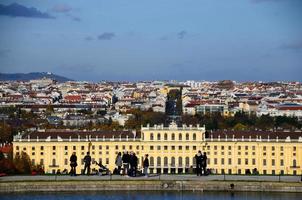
[[154, 195]]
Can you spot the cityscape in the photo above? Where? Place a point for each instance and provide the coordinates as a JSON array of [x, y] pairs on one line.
[[156, 100]]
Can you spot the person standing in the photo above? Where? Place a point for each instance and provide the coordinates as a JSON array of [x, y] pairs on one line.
[[133, 164], [73, 164], [199, 158], [119, 162], [204, 163], [146, 165], [126, 160], [87, 161]]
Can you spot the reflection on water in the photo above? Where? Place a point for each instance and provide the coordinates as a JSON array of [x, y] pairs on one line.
[[154, 195]]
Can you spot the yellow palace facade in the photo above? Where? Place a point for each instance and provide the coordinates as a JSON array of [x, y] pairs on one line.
[[171, 149]]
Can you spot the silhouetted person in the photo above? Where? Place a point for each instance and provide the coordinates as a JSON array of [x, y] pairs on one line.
[[126, 160], [119, 162], [146, 165], [87, 162], [73, 164], [204, 163], [133, 164], [199, 159]]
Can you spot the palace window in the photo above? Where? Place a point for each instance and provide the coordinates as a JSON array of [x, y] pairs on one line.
[[222, 161], [180, 161], [158, 161], [82, 148], [173, 148], [32, 148], [281, 162], [230, 148], [246, 161], [151, 148], [166, 136], [151, 136], [264, 148], [222, 148], [264, 162], [151, 161], [187, 161], [165, 161], [179, 147], [253, 161], [158, 136], [230, 161], [215, 161], [187, 136], [173, 136], [180, 136], [246, 148], [158, 148], [66, 148], [166, 148], [194, 136], [294, 163], [54, 148], [173, 162], [239, 161], [273, 162], [42, 148]]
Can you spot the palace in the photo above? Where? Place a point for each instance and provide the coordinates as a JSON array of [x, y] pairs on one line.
[[171, 149]]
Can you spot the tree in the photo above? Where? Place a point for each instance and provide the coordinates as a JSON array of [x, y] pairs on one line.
[[265, 122], [239, 127], [22, 163]]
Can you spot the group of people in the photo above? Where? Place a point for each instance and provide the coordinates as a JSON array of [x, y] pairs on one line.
[[201, 163], [128, 162]]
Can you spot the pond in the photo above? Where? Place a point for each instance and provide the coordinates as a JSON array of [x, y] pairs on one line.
[[147, 195]]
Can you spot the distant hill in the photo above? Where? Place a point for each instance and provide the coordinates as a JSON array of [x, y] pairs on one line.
[[32, 76]]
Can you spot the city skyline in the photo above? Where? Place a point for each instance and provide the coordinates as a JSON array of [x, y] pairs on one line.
[[246, 40]]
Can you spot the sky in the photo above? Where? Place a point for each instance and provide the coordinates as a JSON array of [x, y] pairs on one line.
[[243, 40]]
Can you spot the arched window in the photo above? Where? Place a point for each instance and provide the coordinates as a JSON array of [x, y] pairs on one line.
[[165, 161], [173, 136], [53, 162], [151, 136], [158, 136], [187, 162], [194, 161], [180, 136], [187, 136], [294, 163], [180, 161], [172, 162], [151, 161], [158, 161], [166, 136], [194, 136]]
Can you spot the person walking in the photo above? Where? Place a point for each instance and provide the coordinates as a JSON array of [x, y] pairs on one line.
[[146, 165], [126, 160], [119, 162], [204, 163], [73, 164], [199, 159], [87, 162]]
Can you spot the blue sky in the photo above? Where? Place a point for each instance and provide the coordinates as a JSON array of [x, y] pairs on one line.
[[96, 40]]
